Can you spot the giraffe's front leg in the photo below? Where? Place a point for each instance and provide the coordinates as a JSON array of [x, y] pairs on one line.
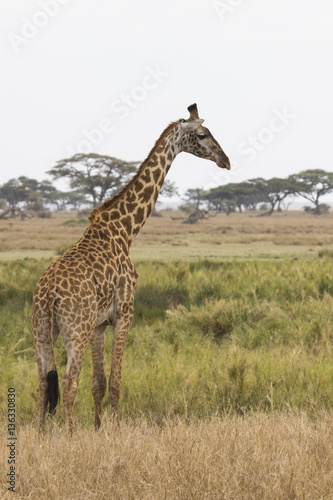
[[121, 328], [98, 386]]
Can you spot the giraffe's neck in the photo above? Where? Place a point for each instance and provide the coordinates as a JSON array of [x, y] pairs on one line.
[[129, 210]]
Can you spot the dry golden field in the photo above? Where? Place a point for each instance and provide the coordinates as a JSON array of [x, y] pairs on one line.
[[167, 237], [258, 457]]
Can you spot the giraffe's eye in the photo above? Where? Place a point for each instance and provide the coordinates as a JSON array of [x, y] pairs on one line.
[[201, 136]]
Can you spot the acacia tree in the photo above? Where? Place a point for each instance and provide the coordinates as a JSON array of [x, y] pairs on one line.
[[221, 198], [13, 194], [273, 191], [194, 198], [245, 195], [61, 199], [169, 189], [312, 185], [241, 195], [19, 195], [93, 175]]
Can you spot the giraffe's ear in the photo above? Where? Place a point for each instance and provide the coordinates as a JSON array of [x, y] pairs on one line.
[[191, 125]]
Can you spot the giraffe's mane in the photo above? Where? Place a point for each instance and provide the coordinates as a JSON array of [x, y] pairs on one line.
[[106, 205]]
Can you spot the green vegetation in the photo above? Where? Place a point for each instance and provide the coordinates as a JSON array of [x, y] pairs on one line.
[[208, 337]]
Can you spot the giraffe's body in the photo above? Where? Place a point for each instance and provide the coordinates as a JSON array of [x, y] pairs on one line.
[[92, 284]]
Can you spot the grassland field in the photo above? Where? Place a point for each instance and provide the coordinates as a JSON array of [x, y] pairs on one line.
[[168, 238], [227, 374]]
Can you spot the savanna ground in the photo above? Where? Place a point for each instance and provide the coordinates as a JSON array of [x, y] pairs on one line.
[[227, 373]]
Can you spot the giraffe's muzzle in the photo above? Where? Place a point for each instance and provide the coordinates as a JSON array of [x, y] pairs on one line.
[[225, 163]]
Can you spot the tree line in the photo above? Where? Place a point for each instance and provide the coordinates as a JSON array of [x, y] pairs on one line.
[[268, 194], [94, 178]]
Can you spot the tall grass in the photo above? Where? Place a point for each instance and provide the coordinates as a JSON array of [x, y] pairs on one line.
[[261, 457], [207, 338]]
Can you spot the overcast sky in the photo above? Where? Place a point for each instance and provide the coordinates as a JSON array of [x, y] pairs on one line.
[[108, 76]]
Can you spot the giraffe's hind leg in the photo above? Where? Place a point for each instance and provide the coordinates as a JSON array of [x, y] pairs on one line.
[[75, 355], [42, 401], [44, 360], [121, 329], [98, 386]]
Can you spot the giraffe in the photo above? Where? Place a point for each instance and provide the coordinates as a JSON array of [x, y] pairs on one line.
[[92, 284]]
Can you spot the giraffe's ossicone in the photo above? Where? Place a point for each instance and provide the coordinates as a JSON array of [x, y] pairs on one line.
[[92, 285]]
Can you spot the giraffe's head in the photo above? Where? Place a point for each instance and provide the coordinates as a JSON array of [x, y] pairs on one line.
[[196, 139]]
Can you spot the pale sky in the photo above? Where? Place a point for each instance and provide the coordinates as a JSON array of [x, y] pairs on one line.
[[108, 76]]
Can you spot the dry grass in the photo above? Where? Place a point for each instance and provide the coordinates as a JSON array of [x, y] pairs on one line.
[[161, 238], [257, 457], [39, 234]]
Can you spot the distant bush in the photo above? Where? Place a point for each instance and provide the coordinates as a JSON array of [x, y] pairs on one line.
[[325, 252], [190, 220], [60, 249], [322, 209], [75, 222], [156, 213]]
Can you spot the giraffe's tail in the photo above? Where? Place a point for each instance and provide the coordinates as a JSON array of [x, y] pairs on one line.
[[52, 391], [52, 388]]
